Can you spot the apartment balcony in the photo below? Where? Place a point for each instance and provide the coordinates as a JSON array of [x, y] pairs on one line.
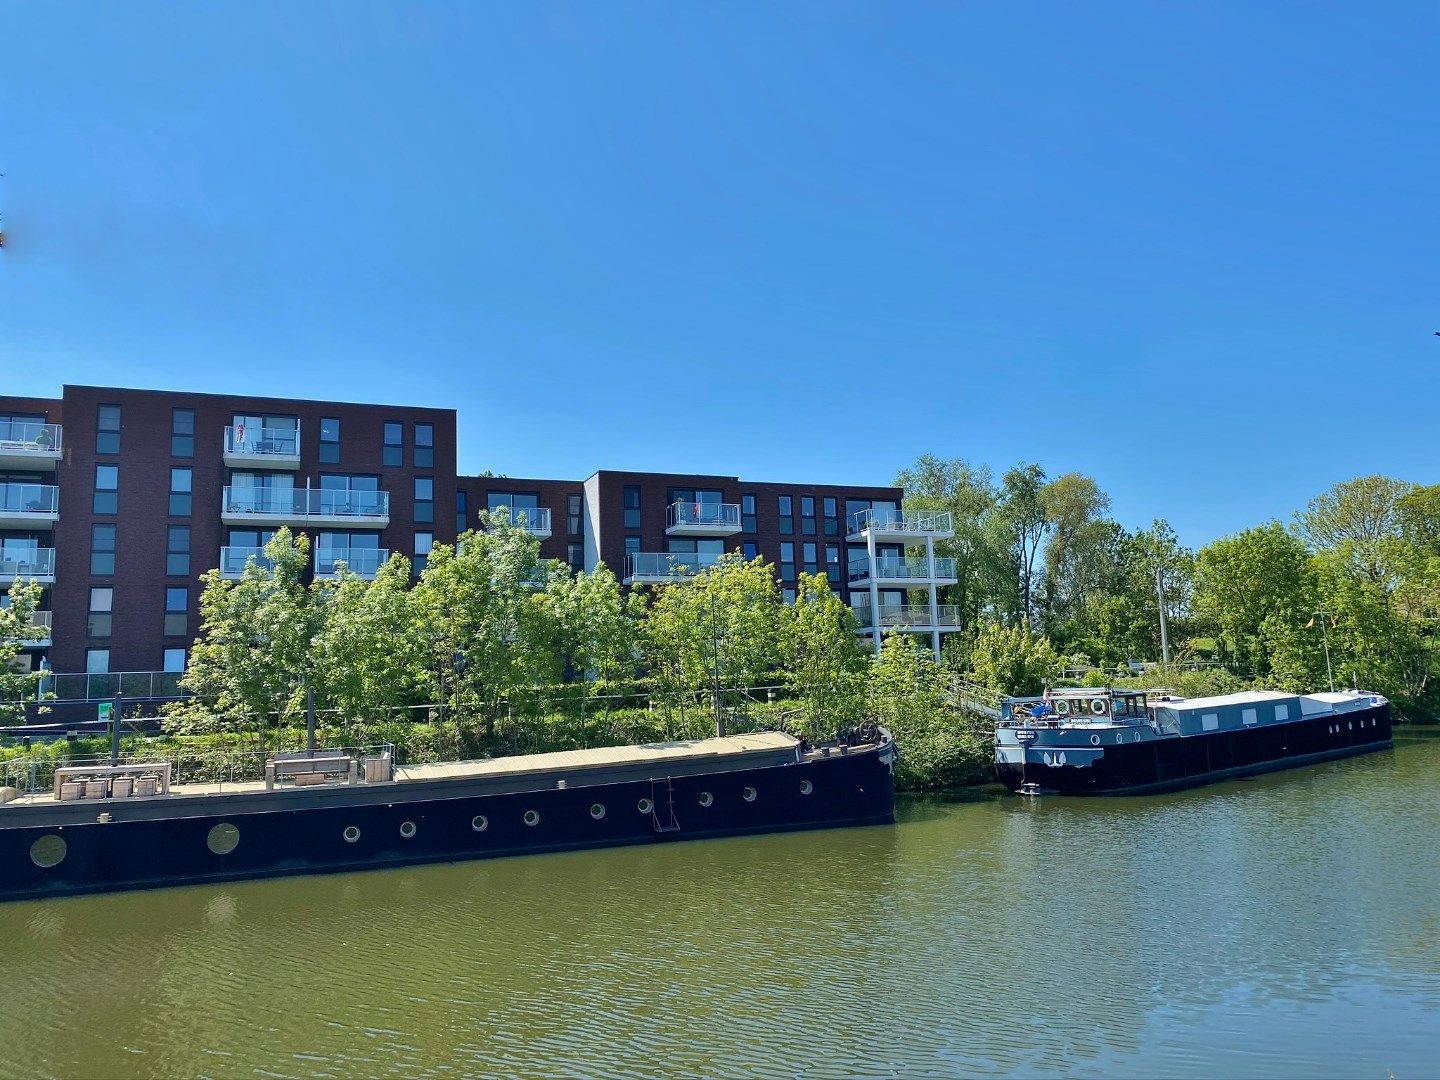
[[29, 445], [233, 561], [659, 567], [40, 622], [262, 448], [102, 686], [908, 617], [31, 564], [533, 519], [898, 525], [893, 571], [29, 506], [305, 506], [362, 562], [684, 518]]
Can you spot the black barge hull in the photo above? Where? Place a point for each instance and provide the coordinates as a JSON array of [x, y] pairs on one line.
[[1172, 764], [364, 828]]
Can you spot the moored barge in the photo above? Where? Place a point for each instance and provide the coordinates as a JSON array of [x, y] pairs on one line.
[[107, 828], [1102, 741]]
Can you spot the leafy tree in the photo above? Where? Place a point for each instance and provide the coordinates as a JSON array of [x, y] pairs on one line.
[[938, 748], [1012, 659], [968, 492], [595, 632], [825, 665], [1024, 522], [17, 631], [1245, 579], [1362, 518]]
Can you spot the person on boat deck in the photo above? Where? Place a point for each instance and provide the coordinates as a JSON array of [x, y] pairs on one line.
[[1041, 708]]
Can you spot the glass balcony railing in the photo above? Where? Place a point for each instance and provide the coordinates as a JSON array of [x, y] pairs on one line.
[[306, 503], [533, 519], [896, 568], [703, 515], [99, 686], [40, 623], [42, 500], [914, 522], [908, 615], [27, 562], [29, 436], [233, 560], [668, 565], [362, 562], [248, 442]]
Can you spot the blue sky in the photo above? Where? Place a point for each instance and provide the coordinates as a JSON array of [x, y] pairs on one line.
[[1190, 249]]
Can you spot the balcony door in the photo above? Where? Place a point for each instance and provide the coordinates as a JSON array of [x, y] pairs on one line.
[[266, 434], [263, 491]]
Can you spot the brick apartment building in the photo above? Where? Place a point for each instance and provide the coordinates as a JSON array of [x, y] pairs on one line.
[[117, 500]]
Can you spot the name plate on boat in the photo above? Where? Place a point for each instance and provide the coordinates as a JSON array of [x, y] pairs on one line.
[[1024, 735]]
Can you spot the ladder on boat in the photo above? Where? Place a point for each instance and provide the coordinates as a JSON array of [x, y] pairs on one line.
[[666, 821]]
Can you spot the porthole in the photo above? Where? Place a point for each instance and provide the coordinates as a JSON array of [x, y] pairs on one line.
[[645, 806], [407, 829], [223, 838], [532, 817], [1120, 737], [351, 834], [1094, 740], [748, 794], [48, 851], [479, 822], [597, 811], [806, 787], [706, 798], [1350, 725]]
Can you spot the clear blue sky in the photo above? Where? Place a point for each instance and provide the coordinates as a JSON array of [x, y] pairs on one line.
[[1191, 249]]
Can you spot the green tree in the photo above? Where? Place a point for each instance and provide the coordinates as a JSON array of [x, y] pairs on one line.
[[938, 747], [1364, 519], [825, 665], [1245, 579], [1012, 659], [17, 631], [968, 492], [595, 631]]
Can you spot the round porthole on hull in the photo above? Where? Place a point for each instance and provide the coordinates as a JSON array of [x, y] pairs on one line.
[[351, 834], [223, 839], [407, 829], [706, 798], [479, 823], [748, 794], [532, 817], [597, 811], [48, 851], [644, 806], [806, 787]]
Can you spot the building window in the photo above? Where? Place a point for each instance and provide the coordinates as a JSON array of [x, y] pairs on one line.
[[632, 507], [832, 562], [424, 446], [107, 489], [102, 550], [787, 561], [424, 500], [812, 559], [177, 551], [632, 547], [751, 550], [97, 661], [102, 600], [573, 524], [424, 544], [329, 440], [393, 453], [747, 513], [788, 595], [182, 432], [181, 482], [177, 605], [175, 660], [832, 517], [807, 514], [575, 556], [462, 512], [107, 430], [787, 516]]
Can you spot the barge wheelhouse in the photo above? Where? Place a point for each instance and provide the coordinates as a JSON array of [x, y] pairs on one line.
[[1100, 741], [107, 828]]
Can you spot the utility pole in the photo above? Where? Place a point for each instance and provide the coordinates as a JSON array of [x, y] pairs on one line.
[[1164, 624], [1322, 615]]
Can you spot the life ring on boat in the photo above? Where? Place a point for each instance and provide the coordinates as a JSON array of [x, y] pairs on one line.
[[1062, 707], [1097, 706]]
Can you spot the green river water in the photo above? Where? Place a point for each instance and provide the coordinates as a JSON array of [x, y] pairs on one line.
[[1283, 926]]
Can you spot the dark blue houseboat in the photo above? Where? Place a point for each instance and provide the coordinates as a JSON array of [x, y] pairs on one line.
[[115, 827], [1097, 741]]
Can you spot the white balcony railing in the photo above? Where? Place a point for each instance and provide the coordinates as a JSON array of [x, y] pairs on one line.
[[667, 565], [302, 505], [37, 563], [899, 522], [914, 616], [533, 519], [898, 568], [40, 624], [686, 518], [273, 448], [233, 560], [362, 562], [29, 444], [26, 505]]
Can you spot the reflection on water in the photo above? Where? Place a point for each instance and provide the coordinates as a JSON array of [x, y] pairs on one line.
[[1281, 926]]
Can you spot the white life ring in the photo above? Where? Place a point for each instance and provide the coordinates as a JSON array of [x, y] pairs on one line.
[[1062, 706], [1097, 706]]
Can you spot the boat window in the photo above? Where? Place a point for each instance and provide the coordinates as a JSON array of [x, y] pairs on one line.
[[748, 794], [479, 822], [351, 834], [223, 839], [407, 829], [597, 811], [806, 787], [48, 851], [706, 798], [531, 817], [645, 806]]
